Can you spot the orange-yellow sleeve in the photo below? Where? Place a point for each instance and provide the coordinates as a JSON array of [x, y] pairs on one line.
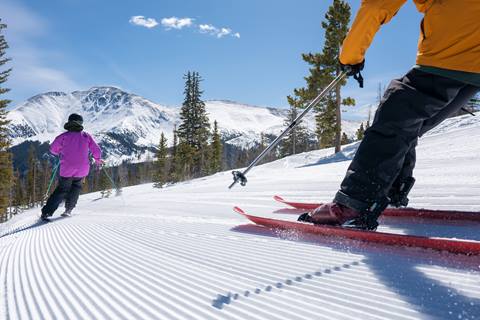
[[371, 15]]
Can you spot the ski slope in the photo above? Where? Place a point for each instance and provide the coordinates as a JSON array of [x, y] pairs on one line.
[[182, 253]]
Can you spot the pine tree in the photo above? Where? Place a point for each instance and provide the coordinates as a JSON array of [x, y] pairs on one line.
[[360, 132], [32, 177], [18, 194], [6, 169], [46, 174], [325, 67], [216, 147], [160, 176], [194, 130], [296, 141], [173, 174], [345, 139], [122, 176]]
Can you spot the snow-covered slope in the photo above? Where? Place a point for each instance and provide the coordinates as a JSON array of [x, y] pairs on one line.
[[181, 252], [128, 125]]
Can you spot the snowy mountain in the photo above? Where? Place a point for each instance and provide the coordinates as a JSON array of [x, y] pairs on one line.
[[182, 253], [128, 126]]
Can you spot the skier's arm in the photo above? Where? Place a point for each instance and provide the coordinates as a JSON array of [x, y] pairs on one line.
[[95, 150], [56, 146], [371, 15]]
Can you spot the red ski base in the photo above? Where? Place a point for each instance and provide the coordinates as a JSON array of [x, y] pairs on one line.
[[401, 212], [441, 244]]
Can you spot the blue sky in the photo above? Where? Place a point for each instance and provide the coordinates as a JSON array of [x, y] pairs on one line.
[[247, 51]]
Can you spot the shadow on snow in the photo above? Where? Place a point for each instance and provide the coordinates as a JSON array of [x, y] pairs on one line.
[[396, 267]]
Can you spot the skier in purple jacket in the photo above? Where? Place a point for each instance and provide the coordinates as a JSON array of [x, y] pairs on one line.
[[73, 148]]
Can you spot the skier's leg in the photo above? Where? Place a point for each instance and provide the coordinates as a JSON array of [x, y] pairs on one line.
[[408, 103], [398, 193], [404, 182], [73, 194], [57, 196]]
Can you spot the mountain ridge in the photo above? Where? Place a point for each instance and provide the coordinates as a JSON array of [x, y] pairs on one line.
[[128, 126]]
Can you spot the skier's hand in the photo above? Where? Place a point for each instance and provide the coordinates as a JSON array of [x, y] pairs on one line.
[[99, 163], [352, 69]]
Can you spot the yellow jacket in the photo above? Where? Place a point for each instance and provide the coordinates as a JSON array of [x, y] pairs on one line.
[[449, 37]]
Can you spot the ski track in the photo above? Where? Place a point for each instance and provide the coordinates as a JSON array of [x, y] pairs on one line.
[[181, 253]]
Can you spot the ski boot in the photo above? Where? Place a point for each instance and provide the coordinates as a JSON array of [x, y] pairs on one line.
[[44, 217], [329, 214], [67, 213], [399, 191]]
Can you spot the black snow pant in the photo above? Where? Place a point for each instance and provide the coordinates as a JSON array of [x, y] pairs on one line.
[[68, 189], [411, 106]]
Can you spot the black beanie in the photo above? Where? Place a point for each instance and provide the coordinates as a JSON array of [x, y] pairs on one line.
[[75, 117], [75, 123]]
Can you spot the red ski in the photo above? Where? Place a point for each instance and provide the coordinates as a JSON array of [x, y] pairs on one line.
[[401, 212], [467, 247]]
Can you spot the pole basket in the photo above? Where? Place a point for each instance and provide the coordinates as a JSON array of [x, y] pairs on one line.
[[239, 177]]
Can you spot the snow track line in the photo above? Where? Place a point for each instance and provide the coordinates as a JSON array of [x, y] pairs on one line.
[[311, 291], [308, 277], [54, 277], [285, 311], [193, 279], [118, 260], [36, 294], [110, 286], [4, 263], [71, 284], [206, 283], [265, 253], [82, 280]]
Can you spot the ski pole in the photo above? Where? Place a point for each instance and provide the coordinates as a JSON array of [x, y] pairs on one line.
[[241, 176], [54, 172]]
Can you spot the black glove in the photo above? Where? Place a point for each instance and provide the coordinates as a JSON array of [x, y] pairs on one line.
[[354, 70]]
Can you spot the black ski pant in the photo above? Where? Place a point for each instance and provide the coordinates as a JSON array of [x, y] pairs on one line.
[[411, 106], [460, 101], [68, 189]]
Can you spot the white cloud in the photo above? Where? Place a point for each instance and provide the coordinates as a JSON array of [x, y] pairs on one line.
[[206, 28], [224, 32], [143, 22], [180, 23], [176, 23], [218, 32]]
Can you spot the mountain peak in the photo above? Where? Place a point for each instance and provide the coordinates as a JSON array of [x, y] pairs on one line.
[[52, 94]]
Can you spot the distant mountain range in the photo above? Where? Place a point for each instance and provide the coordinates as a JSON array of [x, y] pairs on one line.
[[128, 126]]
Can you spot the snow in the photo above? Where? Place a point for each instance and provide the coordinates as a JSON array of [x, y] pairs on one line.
[[182, 253]]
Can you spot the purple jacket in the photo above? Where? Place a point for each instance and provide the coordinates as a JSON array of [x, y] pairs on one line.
[[73, 149]]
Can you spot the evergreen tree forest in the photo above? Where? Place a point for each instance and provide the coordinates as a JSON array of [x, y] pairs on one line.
[[6, 169]]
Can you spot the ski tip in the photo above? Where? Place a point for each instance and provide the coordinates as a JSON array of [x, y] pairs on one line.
[[238, 210], [278, 198]]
